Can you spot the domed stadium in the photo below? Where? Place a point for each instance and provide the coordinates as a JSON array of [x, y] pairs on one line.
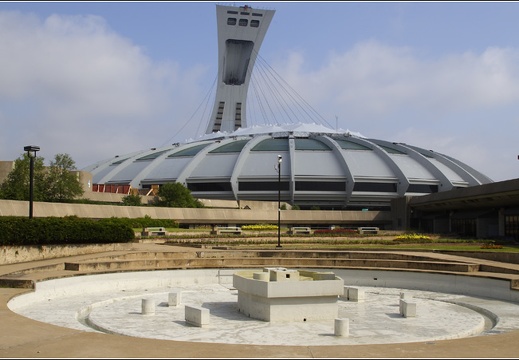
[[305, 164]]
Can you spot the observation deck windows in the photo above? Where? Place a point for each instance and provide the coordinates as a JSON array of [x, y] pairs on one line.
[[232, 21]]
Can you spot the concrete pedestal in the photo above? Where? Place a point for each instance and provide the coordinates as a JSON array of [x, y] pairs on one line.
[[288, 295], [342, 327], [148, 307]]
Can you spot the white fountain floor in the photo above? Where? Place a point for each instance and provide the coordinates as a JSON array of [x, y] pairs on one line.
[[116, 309]]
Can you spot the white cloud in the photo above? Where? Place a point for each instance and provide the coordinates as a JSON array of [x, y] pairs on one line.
[[394, 94], [71, 85]]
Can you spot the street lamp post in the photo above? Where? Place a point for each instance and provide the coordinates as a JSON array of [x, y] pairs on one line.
[[31, 152], [280, 159]]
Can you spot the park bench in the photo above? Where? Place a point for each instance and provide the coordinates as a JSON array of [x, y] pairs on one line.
[[153, 231], [226, 230], [300, 230], [368, 230]]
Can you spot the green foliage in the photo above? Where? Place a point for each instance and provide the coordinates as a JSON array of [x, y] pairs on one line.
[[56, 183], [16, 185], [61, 183], [176, 195], [21, 231], [132, 200], [260, 227], [296, 207]]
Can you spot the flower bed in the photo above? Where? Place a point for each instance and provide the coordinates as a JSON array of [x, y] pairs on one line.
[[336, 231]]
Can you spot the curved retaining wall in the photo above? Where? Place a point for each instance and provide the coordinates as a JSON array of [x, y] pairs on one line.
[[454, 284], [19, 254]]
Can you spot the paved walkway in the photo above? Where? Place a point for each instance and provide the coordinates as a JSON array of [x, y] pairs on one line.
[[22, 336]]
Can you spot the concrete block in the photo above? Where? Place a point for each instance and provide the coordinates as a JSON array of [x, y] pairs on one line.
[[174, 298], [407, 309], [355, 294], [344, 295], [196, 315]]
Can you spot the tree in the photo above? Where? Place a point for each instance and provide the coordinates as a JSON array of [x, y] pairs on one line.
[[16, 185], [61, 183], [55, 183], [132, 200], [176, 195]]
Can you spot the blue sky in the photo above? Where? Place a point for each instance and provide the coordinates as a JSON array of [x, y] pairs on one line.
[[96, 79]]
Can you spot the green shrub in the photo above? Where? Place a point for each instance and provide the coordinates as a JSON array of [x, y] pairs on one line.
[[21, 231]]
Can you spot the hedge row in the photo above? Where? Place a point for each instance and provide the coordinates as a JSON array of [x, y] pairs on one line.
[[22, 231]]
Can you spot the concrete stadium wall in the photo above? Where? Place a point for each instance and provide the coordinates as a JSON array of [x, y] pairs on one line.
[[198, 216]]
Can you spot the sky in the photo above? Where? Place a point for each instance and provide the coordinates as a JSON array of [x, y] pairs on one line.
[[99, 79]]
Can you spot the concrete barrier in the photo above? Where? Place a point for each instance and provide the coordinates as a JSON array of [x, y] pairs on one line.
[[174, 298], [407, 309], [196, 315], [352, 293]]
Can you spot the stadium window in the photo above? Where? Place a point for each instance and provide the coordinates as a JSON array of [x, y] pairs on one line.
[[375, 187]]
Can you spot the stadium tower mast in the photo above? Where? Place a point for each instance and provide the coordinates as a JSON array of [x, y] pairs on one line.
[[241, 31]]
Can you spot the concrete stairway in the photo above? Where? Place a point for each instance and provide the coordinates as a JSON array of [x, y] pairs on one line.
[[32, 272], [159, 257], [294, 259]]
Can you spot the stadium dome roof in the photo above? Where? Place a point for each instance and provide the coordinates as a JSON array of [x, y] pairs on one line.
[[318, 166]]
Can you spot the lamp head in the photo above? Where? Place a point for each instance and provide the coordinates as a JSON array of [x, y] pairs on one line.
[[280, 158], [31, 150]]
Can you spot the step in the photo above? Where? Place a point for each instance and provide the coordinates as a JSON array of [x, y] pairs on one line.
[[133, 264]]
